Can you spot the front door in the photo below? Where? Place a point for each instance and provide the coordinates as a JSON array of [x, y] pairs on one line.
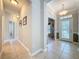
[[66, 29]]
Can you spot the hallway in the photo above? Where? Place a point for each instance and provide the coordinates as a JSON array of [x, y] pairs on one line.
[[26, 25], [62, 50], [14, 51], [56, 50]]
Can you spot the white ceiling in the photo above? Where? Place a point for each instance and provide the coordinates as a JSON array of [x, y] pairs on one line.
[[56, 5], [8, 6], [11, 8]]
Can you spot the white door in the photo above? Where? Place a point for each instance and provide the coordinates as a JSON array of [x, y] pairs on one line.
[[66, 29], [11, 30]]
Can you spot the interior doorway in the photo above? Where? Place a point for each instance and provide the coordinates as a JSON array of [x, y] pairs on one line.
[[51, 29]]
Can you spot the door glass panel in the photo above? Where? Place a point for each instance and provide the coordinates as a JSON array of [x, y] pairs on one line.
[[65, 29], [11, 30]]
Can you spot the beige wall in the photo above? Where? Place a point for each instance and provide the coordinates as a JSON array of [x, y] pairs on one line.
[[25, 31], [78, 25], [5, 26], [0, 33], [75, 23], [1, 12]]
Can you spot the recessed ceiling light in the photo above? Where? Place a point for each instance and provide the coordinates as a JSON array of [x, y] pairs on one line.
[[14, 2]]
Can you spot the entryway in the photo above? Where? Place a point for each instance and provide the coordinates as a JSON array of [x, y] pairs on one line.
[[66, 28]]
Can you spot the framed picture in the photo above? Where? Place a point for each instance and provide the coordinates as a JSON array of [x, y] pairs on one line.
[[20, 22], [25, 20]]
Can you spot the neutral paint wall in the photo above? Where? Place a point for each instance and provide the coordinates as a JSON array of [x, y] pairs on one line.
[[42, 8], [78, 25], [45, 24], [0, 33], [25, 31], [36, 37], [1, 12], [37, 25], [75, 22], [5, 27], [4, 30], [16, 28]]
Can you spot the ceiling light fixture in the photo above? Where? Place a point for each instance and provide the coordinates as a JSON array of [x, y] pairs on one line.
[[63, 12], [14, 2], [18, 16]]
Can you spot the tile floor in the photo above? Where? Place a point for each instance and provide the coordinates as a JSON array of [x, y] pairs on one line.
[[59, 50], [14, 51], [62, 50], [41, 55], [56, 50]]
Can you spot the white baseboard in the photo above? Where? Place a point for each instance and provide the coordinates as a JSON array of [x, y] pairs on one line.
[[45, 49], [37, 52], [46, 46], [27, 49], [5, 41]]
